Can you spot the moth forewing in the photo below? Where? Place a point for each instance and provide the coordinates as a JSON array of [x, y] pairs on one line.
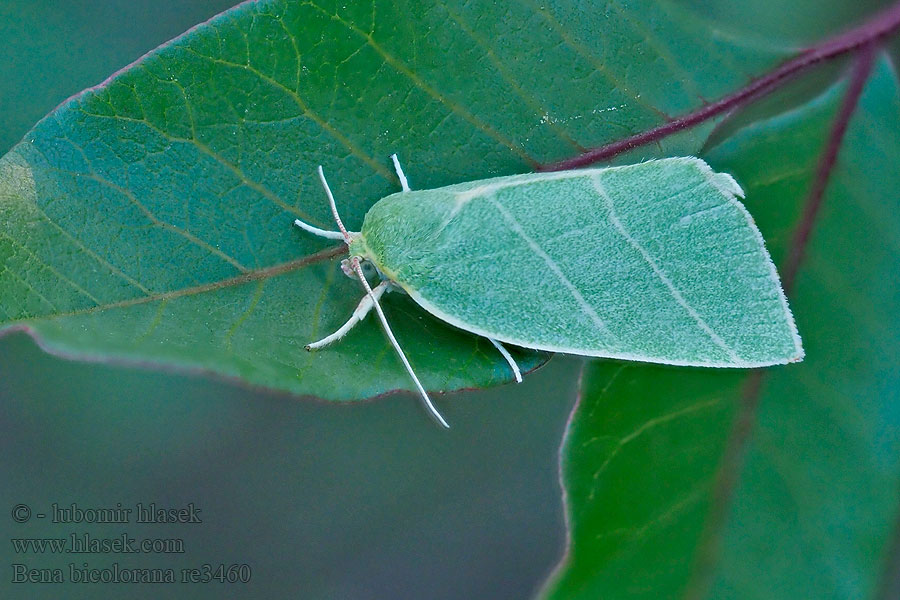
[[655, 262]]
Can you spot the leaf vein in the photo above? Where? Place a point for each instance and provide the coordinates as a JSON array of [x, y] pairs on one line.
[[164, 224], [250, 276], [530, 100], [51, 268], [404, 70], [29, 286], [257, 295], [644, 427], [595, 61], [304, 108]]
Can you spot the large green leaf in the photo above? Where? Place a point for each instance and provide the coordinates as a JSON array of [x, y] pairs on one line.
[[650, 450], [148, 219]]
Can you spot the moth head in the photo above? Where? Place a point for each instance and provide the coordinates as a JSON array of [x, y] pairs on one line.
[[367, 267]]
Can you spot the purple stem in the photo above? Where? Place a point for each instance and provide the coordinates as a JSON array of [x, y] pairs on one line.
[[861, 71], [880, 26]]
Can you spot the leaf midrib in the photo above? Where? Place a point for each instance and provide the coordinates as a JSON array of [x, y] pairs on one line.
[[248, 277]]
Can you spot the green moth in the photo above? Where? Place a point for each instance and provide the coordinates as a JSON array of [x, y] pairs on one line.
[[656, 262]]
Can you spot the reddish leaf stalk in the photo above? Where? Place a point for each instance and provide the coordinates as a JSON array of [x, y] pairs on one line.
[[880, 26], [861, 71]]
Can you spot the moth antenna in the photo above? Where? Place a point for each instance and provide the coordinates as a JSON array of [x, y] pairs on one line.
[[387, 329], [332, 235], [334, 210], [403, 182], [509, 359]]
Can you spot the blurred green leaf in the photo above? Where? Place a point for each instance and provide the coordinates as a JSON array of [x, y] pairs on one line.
[[815, 508], [149, 219]]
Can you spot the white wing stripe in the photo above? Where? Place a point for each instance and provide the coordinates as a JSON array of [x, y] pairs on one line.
[[676, 294], [585, 307]]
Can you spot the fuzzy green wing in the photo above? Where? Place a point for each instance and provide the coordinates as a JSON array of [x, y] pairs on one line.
[[656, 262]]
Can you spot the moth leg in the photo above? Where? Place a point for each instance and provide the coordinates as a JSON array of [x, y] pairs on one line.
[[354, 262], [509, 359], [403, 182], [362, 309]]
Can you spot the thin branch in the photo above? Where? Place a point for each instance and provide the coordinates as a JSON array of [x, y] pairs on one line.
[[742, 427], [861, 71], [881, 25]]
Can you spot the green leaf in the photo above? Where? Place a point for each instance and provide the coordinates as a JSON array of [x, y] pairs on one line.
[[811, 512], [149, 219]]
